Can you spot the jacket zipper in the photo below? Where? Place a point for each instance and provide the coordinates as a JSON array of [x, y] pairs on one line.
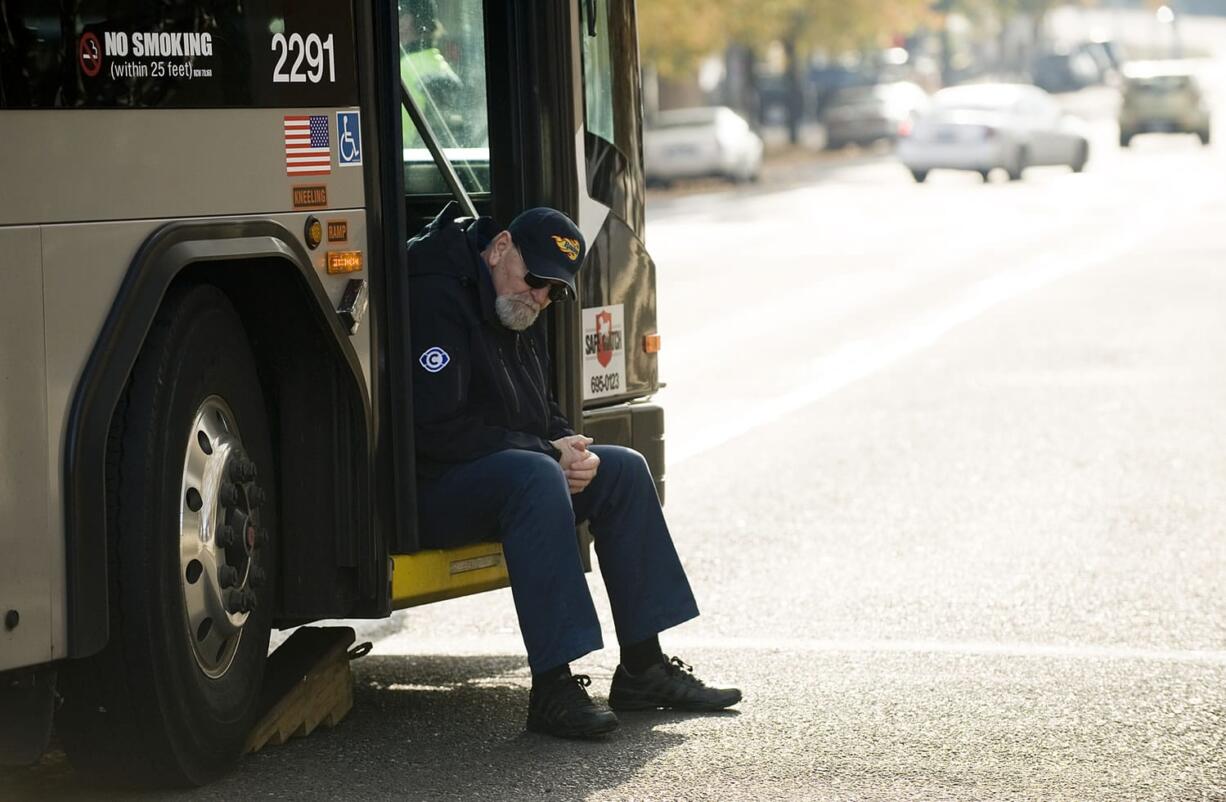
[[510, 382], [540, 372]]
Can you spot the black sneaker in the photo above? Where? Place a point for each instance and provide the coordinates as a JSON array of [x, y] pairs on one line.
[[671, 685], [564, 709]]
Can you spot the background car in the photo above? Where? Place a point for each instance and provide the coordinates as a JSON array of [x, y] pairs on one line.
[[1068, 70], [862, 115], [981, 127], [707, 141], [1162, 96]]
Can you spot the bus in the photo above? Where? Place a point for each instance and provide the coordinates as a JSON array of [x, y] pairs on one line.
[[205, 386]]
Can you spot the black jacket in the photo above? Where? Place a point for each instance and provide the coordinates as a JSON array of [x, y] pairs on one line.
[[478, 387]]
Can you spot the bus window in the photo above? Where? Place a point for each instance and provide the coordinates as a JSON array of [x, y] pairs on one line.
[[598, 72], [442, 62], [612, 108], [206, 54]]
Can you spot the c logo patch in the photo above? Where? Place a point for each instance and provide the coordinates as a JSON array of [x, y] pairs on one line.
[[568, 246], [434, 359]]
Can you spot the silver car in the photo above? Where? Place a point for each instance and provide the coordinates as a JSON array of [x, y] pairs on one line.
[[1162, 96], [861, 115], [981, 127], [707, 141]]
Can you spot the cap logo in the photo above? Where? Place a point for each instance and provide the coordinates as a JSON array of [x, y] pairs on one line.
[[568, 246]]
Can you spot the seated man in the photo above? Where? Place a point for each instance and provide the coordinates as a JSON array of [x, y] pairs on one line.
[[497, 460]]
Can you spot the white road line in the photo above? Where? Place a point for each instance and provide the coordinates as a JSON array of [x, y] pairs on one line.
[[503, 644]]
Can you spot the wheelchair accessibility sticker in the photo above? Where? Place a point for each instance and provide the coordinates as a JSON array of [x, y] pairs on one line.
[[349, 139]]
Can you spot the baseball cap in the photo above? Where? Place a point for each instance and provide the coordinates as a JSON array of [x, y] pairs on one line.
[[551, 244]]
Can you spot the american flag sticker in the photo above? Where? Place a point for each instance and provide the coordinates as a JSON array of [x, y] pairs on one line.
[[307, 149]]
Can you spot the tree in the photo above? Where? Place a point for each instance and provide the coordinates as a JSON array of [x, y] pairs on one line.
[[1005, 11], [801, 26], [674, 34]]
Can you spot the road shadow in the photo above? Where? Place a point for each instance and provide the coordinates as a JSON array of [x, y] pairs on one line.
[[422, 727]]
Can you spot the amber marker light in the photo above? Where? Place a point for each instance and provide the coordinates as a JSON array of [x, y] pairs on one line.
[[314, 232], [344, 262], [651, 343]]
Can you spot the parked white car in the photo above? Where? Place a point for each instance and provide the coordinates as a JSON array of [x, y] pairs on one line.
[[981, 127], [708, 141]]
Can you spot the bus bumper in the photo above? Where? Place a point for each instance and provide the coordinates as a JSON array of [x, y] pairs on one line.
[[637, 425]]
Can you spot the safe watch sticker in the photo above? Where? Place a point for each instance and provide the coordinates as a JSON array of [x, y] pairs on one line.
[[604, 352], [434, 359]]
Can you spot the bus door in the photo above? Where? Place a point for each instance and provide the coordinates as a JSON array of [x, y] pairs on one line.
[[620, 337], [489, 120]]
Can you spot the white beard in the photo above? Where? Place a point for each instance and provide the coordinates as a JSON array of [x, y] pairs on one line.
[[514, 313]]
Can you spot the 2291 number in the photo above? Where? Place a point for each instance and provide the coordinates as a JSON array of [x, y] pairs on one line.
[[317, 53]]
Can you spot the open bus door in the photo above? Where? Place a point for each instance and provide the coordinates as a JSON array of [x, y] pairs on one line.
[[500, 122]]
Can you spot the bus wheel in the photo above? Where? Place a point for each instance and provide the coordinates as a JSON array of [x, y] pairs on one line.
[[172, 697]]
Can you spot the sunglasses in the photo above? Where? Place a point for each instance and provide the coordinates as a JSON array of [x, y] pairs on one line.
[[557, 290]]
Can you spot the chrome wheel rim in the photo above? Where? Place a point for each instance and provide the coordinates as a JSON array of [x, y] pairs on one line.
[[219, 537]]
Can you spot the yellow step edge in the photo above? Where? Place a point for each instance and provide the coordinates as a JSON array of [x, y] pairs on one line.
[[438, 574]]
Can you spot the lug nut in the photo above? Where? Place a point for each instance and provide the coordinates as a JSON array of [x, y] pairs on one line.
[[241, 470], [261, 537], [256, 495], [228, 494], [225, 537], [227, 576], [256, 577], [248, 601], [234, 601]]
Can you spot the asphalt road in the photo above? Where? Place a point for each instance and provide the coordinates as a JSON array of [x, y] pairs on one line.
[[948, 473]]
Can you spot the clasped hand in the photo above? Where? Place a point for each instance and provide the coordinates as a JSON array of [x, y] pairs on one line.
[[577, 462]]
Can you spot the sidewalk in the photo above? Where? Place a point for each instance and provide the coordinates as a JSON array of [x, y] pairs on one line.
[[812, 136], [783, 164]]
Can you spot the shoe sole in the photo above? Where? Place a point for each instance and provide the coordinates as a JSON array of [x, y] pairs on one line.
[[688, 707], [595, 732]]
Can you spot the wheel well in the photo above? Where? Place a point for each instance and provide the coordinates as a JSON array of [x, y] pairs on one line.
[[316, 414], [318, 406]]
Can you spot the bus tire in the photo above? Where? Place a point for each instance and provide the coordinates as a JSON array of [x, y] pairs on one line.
[[172, 697]]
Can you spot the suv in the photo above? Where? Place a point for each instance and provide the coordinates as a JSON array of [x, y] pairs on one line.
[[1162, 96]]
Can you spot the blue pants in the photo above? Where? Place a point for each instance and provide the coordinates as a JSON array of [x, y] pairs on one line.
[[521, 499]]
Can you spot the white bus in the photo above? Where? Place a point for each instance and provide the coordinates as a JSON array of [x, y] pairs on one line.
[[205, 408]]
